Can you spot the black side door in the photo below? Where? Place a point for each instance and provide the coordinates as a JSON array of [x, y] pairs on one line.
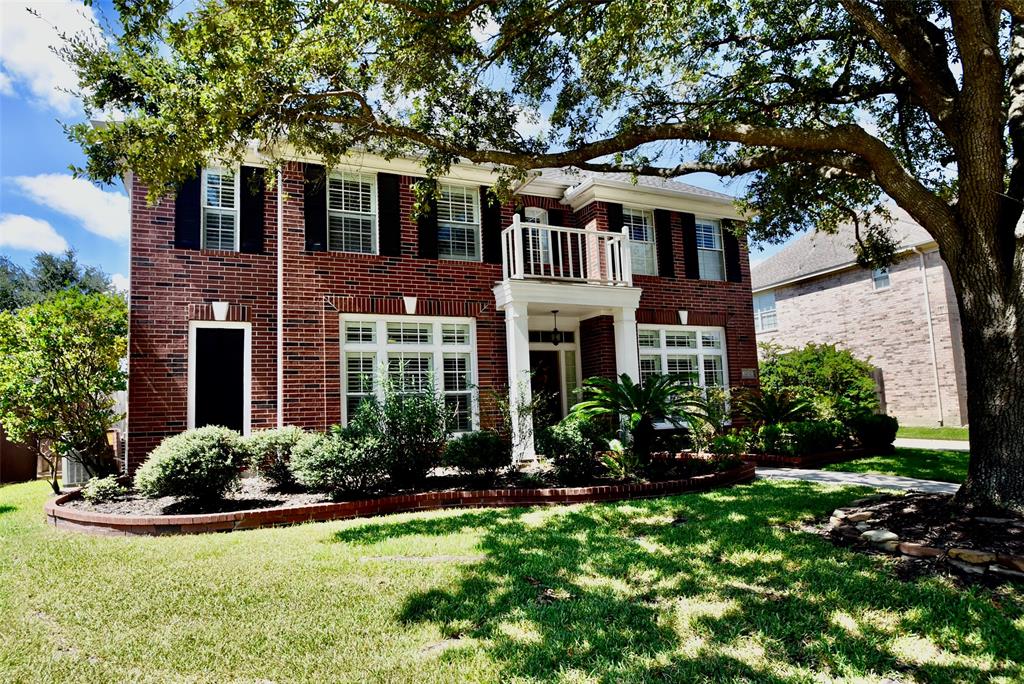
[[220, 377]]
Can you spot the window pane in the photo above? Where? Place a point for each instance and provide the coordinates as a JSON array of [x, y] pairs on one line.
[[359, 370], [711, 340], [639, 225], [649, 338], [218, 229], [713, 371], [535, 215], [457, 241], [410, 333], [455, 333], [709, 235], [350, 234], [881, 278], [711, 263], [683, 366], [456, 373], [458, 204], [649, 366], [410, 372], [681, 338], [351, 221], [360, 331], [220, 189], [458, 406], [571, 386]]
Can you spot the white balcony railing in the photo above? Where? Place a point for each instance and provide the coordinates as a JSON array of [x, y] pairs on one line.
[[539, 251]]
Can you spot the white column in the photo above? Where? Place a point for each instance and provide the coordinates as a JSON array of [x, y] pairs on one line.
[[517, 336], [627, 358]]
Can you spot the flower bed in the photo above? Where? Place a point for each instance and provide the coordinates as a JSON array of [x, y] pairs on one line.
[[64, 517]]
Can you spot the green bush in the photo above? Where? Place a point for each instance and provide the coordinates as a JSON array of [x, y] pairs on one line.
[[340, 463], [482, 453], [573, 444], [100, 489], [835, 383], [201, 464], [268, 453], [730, 444], [874, 430], [812, 436]]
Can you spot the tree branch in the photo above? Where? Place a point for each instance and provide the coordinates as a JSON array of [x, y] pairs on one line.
[[845, 163]]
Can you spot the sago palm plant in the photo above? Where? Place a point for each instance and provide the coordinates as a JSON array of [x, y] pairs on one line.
[[771, 408]]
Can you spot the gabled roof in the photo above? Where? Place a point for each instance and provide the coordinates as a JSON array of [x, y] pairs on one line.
[[816, 253]]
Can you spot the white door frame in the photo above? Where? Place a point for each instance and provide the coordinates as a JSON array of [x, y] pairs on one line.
[[246, 369]]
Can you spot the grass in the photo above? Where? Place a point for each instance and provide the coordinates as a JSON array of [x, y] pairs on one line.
[[926, 464], [597, 593], [955, 433]]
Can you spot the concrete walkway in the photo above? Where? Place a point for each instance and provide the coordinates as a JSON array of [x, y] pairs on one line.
[[860, 479], [937, 444]]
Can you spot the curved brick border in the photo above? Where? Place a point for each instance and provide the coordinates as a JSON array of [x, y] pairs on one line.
[[817, 459], [66, 518]]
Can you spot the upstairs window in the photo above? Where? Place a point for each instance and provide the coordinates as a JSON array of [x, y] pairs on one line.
[[458, 223], [639, 225], [765, 319], [880, 279], [351, 213], [710, 253], [220, 210]]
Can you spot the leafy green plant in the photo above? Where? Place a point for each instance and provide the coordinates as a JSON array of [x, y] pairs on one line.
[[268, 452], [339, 463], [874, 430], [201, 464], [768, 407], [573, 445], [731, 444], [100, 489], [621, 462], [661, 398], [812, 436], [837, 384], [711, 420], [482, 454]]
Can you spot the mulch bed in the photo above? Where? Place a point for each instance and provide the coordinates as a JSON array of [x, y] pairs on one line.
[[814, 460], [929, 534]]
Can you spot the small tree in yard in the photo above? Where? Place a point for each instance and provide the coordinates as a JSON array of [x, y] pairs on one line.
[[60, 365]]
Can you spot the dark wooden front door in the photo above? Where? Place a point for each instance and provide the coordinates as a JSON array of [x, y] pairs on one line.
[[546, 382], [220, 377]]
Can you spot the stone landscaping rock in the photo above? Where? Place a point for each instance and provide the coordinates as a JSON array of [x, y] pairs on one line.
[[1009, 574], [890, 546], [994, 521], [863, 526], [967, 567], [1012, 562], [878, 536], [972, 556], [860, 516], [918, 550]]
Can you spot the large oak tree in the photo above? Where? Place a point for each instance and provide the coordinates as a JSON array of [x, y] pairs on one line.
[[830, 106]]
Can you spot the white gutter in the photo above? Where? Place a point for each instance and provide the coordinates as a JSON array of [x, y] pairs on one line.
[[931, 334], [280, 299]]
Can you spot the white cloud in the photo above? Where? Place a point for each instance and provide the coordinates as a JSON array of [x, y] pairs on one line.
[[25, 48], [99, 211], [6, 87], [18, 231], [119, 281]]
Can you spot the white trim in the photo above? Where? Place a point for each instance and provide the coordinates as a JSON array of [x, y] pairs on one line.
[[931, 335], [236, 176], [562, 348], [437, 348], [604, 299], [280, 299], [699, 351], [644, 196], [246, 369]]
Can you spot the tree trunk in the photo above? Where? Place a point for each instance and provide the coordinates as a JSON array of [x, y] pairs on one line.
[[992, 321]]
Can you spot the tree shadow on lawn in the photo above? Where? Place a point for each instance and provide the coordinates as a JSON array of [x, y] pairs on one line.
[[632, 592], [7, 508]]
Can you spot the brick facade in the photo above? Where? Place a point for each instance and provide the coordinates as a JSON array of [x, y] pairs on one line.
[[171, 286], [890, 328]]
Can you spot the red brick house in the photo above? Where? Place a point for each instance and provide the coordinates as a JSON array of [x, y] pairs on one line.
[[261, 304]]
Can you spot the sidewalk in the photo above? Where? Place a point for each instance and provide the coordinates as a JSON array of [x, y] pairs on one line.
[[859, 479], [937, 444]]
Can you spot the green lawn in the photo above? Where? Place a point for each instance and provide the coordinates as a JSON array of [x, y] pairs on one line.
[[926, 464], [600, 593], [957, 433]]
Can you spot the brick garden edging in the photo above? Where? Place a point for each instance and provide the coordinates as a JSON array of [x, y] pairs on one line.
[[66, 518], [813, 460]]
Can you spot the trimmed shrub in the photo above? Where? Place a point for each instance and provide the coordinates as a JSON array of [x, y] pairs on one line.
[[812, 436], [730, 444], [100, 489], [837, 384], [573, 445], [339, 463], [482, 453], [874, 430], [268, 452], [200, 464]]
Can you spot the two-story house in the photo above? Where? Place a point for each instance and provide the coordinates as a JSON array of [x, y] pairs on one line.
[[256, 304], [905, 319]]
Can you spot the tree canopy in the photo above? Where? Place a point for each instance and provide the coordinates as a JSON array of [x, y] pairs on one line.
[[50, 273]]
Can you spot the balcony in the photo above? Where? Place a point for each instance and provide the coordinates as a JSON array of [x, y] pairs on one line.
[[535, 251]]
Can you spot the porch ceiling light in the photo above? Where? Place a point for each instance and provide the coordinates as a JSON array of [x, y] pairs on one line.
[[557, 337]]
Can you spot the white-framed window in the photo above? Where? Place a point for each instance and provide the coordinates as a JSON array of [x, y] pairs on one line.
[[697, 354], [538, 240], [639, 225], [352, 212], [710, 252], [458, 223], [535, 215], [880, 279], [416, 354], [765, 318], [220, 209]]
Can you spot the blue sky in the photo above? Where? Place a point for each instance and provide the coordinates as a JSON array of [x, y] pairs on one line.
[[42, 207]]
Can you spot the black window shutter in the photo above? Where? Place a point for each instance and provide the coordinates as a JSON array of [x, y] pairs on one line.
[[490, 226], [250, 204], [389, 214], [556, 217], [663, 243], [188, 214], [690, 246], [426, 224], [315, 207], [614, 217], [732, 253]]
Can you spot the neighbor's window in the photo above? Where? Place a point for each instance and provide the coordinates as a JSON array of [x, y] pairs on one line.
[[420, 355], [351, 213], [458, 223], [880, 278], [765, 318], [710, 253], [639, 225], [697, 355], [220, 210]]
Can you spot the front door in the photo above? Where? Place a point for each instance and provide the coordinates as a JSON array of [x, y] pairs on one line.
[[545, 382], [220, 377]]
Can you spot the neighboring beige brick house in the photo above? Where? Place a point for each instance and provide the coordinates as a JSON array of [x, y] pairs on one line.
[[813, 291]]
